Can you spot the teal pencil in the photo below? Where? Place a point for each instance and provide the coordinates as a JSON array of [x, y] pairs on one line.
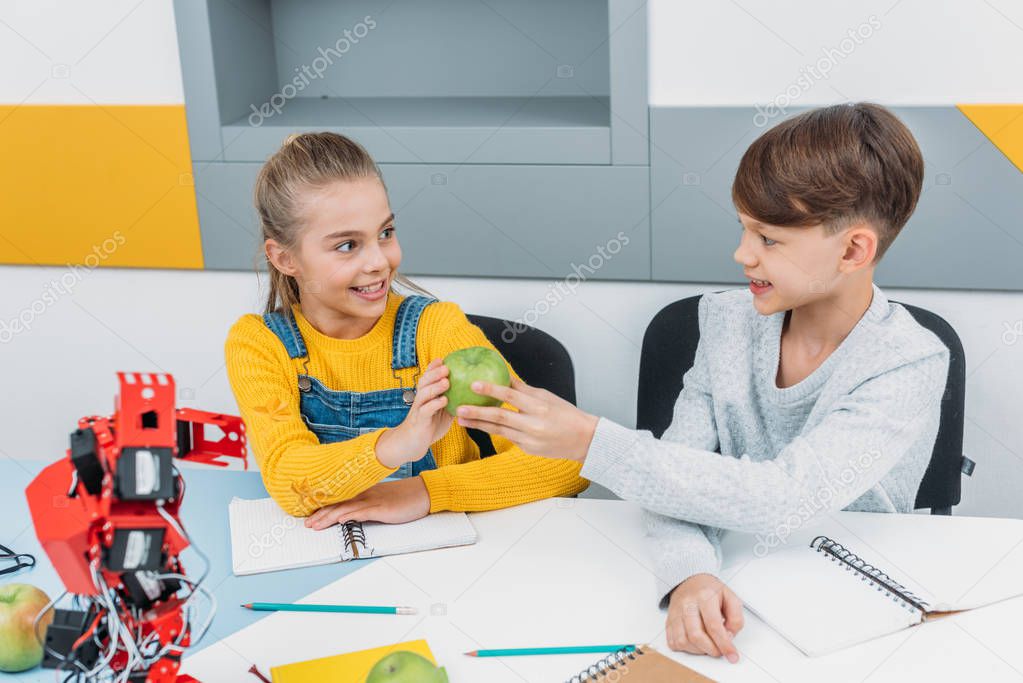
[[351, 609], [581, 649]]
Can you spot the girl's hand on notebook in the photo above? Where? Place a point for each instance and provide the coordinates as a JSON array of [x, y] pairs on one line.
[[545, 423], [393, 502], [703, 617], [426, 422]]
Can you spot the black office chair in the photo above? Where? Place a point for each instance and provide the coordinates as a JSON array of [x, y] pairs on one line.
[[669, 348], [538, 358]]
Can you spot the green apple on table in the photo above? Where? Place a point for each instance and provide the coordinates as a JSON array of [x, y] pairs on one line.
[[406, 667], [19, 605], [465, 366]]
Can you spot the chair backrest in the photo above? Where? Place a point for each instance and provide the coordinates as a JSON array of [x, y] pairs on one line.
[[669, 349], [538, 358], [942, 484]]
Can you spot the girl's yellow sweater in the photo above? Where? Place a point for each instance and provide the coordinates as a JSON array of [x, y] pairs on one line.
[[303, 475]]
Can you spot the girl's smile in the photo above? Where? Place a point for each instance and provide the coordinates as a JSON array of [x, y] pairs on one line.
[[372, 292]]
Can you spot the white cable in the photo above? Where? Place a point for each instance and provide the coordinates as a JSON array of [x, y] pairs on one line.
[[177, 527], [117, 631], [196, 588], [35, 624]]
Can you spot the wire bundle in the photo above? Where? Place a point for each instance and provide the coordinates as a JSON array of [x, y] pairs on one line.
[[116, 626]]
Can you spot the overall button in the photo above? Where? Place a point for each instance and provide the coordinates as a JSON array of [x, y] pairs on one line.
[[304, 384], [408, 396]]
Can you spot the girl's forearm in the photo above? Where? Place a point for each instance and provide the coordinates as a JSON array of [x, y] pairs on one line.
[[394, 448]]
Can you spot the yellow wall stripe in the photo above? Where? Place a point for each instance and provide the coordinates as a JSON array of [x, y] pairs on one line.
[[1002, 124], [103, 185]]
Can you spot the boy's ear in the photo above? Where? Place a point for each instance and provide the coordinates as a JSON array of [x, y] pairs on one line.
[[280, 257], [860, 247]]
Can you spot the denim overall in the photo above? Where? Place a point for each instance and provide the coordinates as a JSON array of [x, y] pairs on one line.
[[341, 415]]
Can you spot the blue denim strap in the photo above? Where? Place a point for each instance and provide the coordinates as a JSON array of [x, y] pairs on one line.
[[286, 329], [406, 323]]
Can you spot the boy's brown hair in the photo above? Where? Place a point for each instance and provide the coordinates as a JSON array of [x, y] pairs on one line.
[[833, 166]]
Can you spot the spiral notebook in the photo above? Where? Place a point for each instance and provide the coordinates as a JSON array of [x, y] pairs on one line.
[[824, 597], [643, 665], [264, 538]]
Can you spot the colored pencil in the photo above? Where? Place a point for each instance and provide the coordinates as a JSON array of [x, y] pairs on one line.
[[351, 609]]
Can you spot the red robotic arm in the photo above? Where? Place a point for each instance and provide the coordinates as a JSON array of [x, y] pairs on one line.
[[107, 517]]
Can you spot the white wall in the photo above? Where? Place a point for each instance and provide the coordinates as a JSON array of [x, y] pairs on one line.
[[86, 53], [702, 53], [914, 52], [63, 367]]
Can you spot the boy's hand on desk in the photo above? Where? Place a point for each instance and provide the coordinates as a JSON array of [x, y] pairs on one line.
[[703, 617], [545, 424], [393, 502]]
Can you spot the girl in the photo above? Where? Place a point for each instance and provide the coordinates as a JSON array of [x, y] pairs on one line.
[[340, 382]]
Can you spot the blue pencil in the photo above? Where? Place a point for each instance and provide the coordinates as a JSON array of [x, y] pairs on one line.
[[580, 649], [351, 609]]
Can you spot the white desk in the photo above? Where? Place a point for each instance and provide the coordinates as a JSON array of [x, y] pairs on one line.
[[575, 571]]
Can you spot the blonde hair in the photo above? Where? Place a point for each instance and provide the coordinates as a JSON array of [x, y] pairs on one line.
[[304, 161]]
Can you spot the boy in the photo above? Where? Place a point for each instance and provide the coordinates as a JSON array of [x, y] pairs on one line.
[[820, 396]]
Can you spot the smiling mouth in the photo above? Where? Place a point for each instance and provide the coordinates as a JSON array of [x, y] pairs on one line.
[[760, 283], [370, 289]]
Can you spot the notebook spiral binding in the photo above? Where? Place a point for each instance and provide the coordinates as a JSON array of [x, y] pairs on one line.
[[353, 534], [613, 662], [838, 553]]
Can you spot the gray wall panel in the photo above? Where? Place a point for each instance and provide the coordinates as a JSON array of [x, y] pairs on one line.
[[443, 48], [243, 55], [200, 88], [629, 120], [230, 232], [502, 221], [441, 130], [967, 231]]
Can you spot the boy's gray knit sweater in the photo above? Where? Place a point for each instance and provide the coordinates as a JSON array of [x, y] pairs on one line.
[[855, 434]]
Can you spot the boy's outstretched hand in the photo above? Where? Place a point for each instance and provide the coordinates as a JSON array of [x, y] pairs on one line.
[[703, 617], [545, 424]]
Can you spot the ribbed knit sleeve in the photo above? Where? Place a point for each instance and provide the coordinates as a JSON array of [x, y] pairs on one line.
[[301, 474]]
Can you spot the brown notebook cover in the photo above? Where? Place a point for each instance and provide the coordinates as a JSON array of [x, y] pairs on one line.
[[645, 665]]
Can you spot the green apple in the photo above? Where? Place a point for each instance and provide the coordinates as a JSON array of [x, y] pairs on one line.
[[19, 605], [406, 667], [476, 363]]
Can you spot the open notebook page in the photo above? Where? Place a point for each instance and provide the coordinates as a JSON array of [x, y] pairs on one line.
[[816, 603], [950, 562], [264, 538]]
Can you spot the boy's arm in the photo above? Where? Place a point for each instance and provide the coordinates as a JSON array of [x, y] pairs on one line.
[[301, 474], [510, 476], [849, 451], [680, 550]]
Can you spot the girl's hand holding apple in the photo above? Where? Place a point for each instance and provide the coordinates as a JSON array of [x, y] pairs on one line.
[[545, 424], [426, 422], [404, 500]]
